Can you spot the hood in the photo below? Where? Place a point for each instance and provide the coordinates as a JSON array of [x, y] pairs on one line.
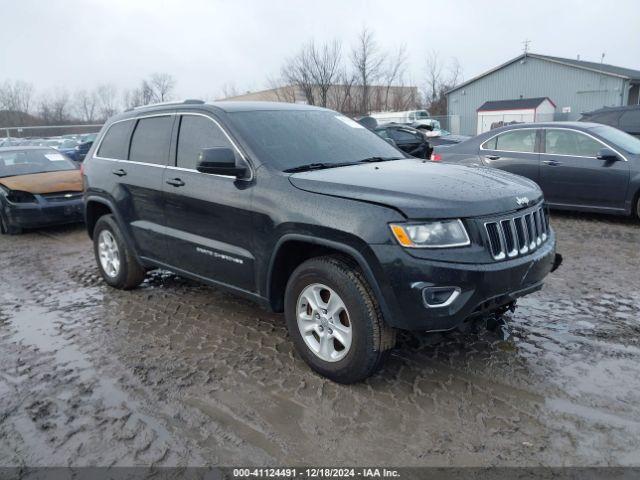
[[49, 182], [423, 189]]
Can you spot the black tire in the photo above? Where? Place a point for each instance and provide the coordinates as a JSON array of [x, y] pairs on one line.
[[638, 207], [6, 228], [130, 273], [372, 338]]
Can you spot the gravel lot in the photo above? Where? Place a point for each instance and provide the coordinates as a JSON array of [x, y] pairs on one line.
[[176, 373]]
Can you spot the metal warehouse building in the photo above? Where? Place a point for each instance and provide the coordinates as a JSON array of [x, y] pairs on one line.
[[573, 86]]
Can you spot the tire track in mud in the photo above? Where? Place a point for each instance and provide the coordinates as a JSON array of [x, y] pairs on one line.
[[179, 373]]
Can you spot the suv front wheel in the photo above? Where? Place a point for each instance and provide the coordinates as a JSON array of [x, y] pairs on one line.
[[335, 321], [115, 260]]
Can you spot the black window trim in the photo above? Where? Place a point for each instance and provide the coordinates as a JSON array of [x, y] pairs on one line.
[[135, 121], [511, 151], [226, 134], [133, 132]]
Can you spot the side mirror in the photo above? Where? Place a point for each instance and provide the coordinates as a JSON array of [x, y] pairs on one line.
[[219, 161], [391, 141], [607, 154]]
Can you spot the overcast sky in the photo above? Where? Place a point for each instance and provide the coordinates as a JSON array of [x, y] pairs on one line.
[[206, 44]]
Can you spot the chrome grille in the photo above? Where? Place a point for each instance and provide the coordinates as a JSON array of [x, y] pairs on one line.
[[518, 234]]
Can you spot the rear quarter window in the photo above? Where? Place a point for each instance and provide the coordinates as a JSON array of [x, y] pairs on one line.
[[115, 143]]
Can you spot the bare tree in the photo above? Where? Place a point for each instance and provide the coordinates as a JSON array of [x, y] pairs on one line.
[[86, 105], [394, 72], [160, 87], [367, 63], [282, 91], [297, 71], [440, 79], [228, 90], [314, 70], [16, 96], [55, 106], [107, 97], [341, 95]]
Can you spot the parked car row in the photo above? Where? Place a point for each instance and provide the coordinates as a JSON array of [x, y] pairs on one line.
[[73, 146]]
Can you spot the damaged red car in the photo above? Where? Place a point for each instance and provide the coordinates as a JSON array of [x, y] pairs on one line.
[[38, 187]]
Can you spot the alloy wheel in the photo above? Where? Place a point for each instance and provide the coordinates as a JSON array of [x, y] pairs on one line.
[[324, 323], [109, 253]]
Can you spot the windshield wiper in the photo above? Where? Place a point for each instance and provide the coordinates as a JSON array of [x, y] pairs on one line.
[[315, 166], [378, 159], [320, 166]]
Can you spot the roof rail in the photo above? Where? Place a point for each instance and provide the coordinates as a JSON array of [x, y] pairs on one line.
[[188, 101]]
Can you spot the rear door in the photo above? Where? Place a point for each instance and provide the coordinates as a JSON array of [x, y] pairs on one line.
[[514, 151], [208, 216], [134, 154], [571, 173]]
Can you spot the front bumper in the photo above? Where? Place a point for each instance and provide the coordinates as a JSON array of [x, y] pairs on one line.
[[43, 213], [482, 288]]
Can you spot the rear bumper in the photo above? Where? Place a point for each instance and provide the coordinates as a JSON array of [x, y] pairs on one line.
[[481, 288], [31, 215]]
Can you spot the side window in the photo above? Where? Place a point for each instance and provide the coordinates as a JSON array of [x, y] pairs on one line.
[[115, 143], [630, 120], [401, 135], [196, 133], [151, 139], [607, 118], [490, 144], [568, 142], [517, 141]]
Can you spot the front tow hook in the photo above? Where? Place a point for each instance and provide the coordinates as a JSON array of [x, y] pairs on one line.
[[557, 261]]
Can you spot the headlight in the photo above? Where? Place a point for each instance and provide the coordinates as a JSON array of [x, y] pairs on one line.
[[437, 234], [18, 196]]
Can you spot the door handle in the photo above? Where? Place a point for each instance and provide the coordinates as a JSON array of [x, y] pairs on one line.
[[119, 172], [176, 182], [553, 163], [492, 157]]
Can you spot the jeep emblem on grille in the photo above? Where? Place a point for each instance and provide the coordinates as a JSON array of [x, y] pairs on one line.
[[522, 201]]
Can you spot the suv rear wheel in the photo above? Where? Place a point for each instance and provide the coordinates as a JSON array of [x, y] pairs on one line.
[[335, 321], [116, 262]]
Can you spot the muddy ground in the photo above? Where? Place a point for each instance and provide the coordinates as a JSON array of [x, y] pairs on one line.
[[176, 373]]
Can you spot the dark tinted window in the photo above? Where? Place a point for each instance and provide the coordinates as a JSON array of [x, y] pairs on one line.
[[195, 134], [568, 142], [402, 135], [631, 120], [151, 139], [516, 141], [291, 138], [606, 118], [115, 143]]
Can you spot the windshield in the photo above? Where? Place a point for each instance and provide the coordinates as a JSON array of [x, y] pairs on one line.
[[291, 138], [619, 138], [421, 114], [25, 162], [68, 144]]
